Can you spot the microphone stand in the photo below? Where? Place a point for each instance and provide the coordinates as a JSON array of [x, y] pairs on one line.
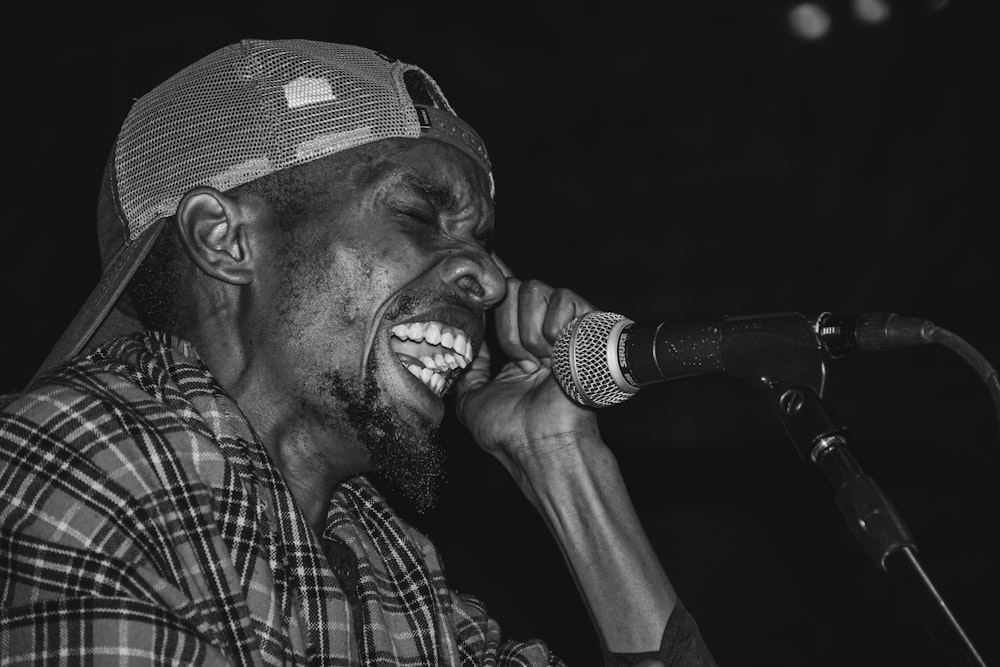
[[783, 356]]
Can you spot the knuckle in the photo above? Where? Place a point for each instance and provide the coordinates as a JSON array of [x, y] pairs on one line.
[[534, 287], [565, 296], [552, 327], [509, 337], [534, 338]]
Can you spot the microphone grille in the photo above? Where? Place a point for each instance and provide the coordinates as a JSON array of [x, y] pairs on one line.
[[580, 361]]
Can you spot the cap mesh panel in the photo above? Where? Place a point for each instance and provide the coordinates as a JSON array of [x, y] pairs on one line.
[[253, 108]]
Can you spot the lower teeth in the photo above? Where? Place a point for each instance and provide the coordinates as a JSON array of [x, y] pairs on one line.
[[431, 381]]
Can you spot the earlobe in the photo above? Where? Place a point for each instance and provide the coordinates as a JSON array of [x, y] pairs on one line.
[[213, 230]]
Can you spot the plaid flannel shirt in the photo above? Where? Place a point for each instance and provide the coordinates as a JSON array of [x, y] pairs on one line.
[[142, 521]]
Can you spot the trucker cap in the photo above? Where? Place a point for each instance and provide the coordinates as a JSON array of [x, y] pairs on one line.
[[244, 111]]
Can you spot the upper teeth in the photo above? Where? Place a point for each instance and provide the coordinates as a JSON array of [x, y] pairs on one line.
[[437, 333], [438, 363]]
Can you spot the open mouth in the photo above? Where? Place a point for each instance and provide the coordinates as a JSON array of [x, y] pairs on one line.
[[434, 352]]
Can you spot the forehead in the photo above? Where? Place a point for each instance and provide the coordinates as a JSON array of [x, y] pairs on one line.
[[433, 168], [390, 172]]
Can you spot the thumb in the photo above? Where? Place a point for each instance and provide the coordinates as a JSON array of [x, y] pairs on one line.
[[475, 376], [478, 372]]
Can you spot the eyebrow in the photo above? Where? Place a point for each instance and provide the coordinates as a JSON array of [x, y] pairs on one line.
[[441, 196]]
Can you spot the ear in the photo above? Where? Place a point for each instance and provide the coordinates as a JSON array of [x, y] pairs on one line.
[[214, 230]]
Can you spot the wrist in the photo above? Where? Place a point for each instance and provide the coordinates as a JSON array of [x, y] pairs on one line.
[[559, 463], [552, 445]]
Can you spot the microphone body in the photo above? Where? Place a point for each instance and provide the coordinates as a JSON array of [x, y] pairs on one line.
[[603, 358]]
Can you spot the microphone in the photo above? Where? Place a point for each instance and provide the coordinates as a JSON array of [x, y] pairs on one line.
[[603, 358]]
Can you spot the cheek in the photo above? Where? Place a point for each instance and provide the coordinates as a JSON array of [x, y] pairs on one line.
[[337, 288], [359, 281]]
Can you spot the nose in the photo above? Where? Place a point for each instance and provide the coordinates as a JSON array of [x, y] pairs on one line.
[[476, 275]]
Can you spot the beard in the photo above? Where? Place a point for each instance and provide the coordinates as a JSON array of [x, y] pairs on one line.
[[404, 449]]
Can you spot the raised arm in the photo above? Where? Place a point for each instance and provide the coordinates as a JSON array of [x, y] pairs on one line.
[[555, 453]]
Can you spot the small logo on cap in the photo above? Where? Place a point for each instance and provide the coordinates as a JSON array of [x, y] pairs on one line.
[[307, 90], [424, 117]]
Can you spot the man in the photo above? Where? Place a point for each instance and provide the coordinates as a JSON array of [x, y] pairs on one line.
[[302, 230]]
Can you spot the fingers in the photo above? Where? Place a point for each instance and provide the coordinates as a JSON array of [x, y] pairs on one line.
[[509, 331], [564, 306], [478, 372], [531, 317]]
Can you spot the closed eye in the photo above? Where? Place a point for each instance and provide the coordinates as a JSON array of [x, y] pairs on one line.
[[417, 214], [438, 195]]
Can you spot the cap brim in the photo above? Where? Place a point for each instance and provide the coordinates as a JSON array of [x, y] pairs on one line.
[[92, 323]]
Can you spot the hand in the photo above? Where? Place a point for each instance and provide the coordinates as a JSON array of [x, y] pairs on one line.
[[521, 415], [554, 452]]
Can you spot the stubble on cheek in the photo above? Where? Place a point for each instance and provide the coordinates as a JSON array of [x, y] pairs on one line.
[[323, 293], [404, 450], [331, 296]]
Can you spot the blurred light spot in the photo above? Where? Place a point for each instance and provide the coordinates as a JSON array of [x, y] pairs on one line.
[[871, 11], [935, 5], [809, 21]]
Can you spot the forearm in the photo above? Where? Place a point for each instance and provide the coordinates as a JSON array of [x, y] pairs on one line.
[[577, 487], [553, 449]]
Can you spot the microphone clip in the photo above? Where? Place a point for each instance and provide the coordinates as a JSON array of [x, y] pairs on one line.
[[774, 352]]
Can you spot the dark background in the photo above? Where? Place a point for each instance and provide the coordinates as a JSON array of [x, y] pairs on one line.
[[688, 162]]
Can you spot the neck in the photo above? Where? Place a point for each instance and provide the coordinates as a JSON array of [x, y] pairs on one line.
[[314, 453]]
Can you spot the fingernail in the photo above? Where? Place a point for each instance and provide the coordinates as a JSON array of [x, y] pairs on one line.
[[527, 365]]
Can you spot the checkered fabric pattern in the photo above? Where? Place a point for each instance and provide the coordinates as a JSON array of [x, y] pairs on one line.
[[142, 521]]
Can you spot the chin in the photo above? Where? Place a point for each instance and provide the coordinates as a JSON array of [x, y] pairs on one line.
[[401, 438]]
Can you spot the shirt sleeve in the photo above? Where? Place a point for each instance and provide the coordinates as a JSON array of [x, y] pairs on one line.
[[480, 641], [98, 560], [98, 630], [681, 645]]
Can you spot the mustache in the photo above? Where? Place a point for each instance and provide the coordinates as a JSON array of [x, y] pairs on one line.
[[412, 300]]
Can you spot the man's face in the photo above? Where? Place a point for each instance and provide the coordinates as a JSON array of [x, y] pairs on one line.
[[375, 303]]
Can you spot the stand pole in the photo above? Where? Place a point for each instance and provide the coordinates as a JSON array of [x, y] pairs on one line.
[[872, 519], [903, 567], [782, 355]]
